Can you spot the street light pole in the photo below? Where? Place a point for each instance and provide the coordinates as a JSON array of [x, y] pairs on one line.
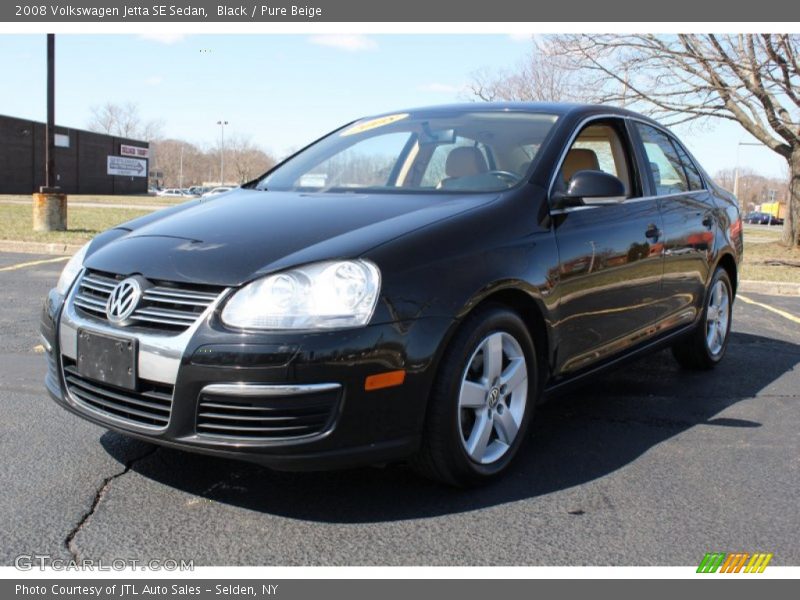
[[222, 124]]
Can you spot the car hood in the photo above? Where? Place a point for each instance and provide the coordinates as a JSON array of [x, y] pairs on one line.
[[246, 233]]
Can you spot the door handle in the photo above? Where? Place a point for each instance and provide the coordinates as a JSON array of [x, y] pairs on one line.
[[652, 233]]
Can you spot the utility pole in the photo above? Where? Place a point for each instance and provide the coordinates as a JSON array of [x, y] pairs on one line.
[[222, 124], [50, 168], [49, 204]]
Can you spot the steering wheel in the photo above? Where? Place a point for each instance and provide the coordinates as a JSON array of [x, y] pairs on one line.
[[508, 175]]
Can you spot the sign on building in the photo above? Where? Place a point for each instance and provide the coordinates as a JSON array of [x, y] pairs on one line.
[[135, 151], [128, 167]]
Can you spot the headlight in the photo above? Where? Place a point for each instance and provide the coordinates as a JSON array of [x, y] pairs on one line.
[[325, 295], [71, 270]]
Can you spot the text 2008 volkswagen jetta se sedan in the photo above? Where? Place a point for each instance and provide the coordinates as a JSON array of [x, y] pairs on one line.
[[407, 287]]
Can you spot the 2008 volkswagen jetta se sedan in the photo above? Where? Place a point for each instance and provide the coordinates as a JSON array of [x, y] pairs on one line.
[[408, 287]]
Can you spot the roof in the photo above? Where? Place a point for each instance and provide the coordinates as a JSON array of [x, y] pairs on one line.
[[555, 108]]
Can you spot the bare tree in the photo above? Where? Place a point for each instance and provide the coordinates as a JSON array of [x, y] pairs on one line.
[[754, 188], [246, 160], [123, 120], [182, 163], [542, 76], [753, 80]]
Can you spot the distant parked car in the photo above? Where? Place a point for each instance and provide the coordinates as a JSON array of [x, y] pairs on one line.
[[171, 193], [762, 218], [198, 190], [218, 190]]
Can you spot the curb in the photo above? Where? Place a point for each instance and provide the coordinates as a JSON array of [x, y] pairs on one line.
[[773, 288], [58, 248]]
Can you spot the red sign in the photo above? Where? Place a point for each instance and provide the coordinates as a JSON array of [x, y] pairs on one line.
[[136, 151]]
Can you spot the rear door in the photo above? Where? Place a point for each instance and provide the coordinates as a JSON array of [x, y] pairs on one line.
[[610, 262], [688, 214]]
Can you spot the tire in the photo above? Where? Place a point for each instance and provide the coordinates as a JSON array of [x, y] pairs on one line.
[[478, 413], [705, 347]]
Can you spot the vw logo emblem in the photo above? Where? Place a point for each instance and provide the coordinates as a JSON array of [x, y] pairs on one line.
[[494, 396], [123, 300]]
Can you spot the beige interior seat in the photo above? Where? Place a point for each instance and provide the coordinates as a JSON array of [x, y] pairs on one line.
[[465, 161], [579, 159]]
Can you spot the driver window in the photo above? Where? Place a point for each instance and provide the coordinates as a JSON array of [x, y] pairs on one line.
[[598, 147]]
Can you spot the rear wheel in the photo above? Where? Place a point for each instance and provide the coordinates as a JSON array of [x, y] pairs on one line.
[[482, 400], [706, 346]]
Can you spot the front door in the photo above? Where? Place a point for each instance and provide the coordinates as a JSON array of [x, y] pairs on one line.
[[610, 255]]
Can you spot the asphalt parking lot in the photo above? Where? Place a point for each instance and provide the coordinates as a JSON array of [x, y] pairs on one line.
[[647, 466]]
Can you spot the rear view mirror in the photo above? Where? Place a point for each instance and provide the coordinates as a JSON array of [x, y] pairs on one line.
[[437, 136], [593, 187]]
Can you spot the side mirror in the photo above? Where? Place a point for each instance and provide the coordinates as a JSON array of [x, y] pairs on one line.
[[593, 187]]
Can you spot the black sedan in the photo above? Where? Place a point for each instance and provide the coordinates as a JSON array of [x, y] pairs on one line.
[[762, 218], [408, 287]]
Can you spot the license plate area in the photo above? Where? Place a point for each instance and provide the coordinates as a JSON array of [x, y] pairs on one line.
[[107, 359]]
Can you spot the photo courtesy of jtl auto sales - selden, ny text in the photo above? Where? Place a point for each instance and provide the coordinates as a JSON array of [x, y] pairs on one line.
[[399, 300]]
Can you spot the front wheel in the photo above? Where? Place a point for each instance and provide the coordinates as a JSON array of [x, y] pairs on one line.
[[706, 346], [482, 400]]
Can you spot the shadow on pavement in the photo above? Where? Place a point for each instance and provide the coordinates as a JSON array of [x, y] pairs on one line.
[[577, 438]]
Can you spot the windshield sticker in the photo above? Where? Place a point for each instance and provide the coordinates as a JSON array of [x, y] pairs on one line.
[[373, 124]]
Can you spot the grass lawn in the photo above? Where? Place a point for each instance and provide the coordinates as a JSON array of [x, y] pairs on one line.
[[140, 200], [761, 245], [16, 223]]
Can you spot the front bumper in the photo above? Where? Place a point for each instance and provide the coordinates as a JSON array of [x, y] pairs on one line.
[[294, 374]]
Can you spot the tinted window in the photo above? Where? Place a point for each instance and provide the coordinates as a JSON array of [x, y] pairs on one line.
[[692, 172], [666, 166]]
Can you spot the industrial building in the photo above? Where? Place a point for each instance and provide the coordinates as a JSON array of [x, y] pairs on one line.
[[85, 162]]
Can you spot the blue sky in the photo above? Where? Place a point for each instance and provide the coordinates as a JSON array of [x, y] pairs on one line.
[[282, 90]]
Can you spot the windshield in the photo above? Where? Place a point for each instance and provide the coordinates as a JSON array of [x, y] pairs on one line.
[[465, 152]]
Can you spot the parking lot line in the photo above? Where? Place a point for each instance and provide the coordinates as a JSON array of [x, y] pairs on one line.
[[777, 311], [33, 263]]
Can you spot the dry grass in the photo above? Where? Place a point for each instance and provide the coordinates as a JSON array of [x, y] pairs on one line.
[[138, 200], [16, 223], [762, 244]]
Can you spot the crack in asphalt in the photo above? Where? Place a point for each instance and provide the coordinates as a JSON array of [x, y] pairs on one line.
[[69, 541]]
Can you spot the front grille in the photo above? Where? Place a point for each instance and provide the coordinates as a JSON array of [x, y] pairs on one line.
[[164, 305], [266, 418], [150, 405]]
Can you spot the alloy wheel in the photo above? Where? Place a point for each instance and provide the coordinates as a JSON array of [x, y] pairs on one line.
[[492, 397], [717, 317]]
